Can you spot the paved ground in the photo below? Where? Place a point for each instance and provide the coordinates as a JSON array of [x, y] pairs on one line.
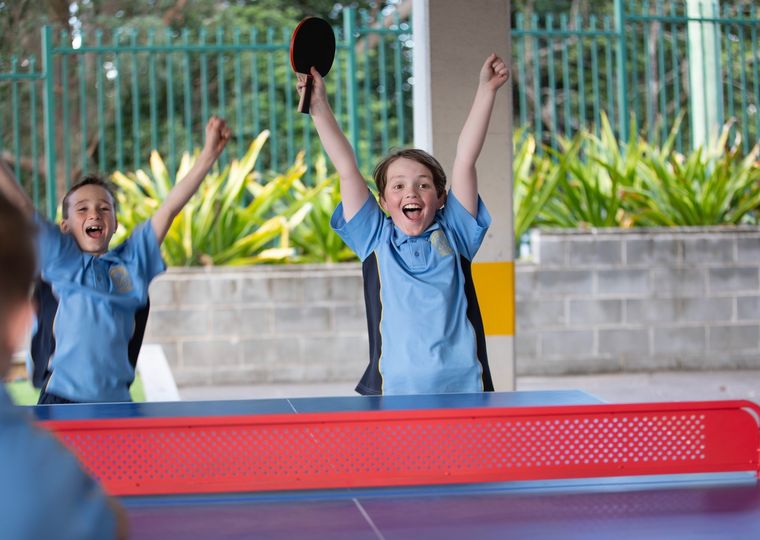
[[616, 388]]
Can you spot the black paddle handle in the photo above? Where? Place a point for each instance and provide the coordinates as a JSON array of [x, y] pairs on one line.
[[303, 105]]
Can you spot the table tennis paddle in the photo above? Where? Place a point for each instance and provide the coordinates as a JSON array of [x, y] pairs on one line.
[[312, 44]]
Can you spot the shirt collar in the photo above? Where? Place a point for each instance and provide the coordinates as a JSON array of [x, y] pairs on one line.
[[399, 237]]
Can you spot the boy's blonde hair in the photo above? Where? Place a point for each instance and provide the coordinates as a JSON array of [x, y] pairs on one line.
[[420, 156]]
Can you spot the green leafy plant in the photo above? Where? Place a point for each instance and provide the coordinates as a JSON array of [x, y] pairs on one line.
[[599, 170], [236, 218], [535, 178], [314, 238], [715, 185]]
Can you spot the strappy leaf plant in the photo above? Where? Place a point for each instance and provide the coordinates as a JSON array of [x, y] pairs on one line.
[[237, 217]]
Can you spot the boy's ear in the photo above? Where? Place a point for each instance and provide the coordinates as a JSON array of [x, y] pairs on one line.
[[381, 200], [65, 226], [442, 200]]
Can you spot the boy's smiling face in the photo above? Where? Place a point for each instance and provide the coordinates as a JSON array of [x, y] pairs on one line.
[[91, 219], [410, 196]]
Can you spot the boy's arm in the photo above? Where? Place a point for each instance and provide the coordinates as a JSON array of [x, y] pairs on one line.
[[217, 135], [353, 189], [13, 191], [464, 179]]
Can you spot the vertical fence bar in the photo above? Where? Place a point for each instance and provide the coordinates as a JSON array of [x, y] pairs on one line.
[[274, 146], [351, 84], [66, 114], [136, 143], [595, 73], [649, 96], [289, 85], [33, 132], [49, 114], [204, 76], [580, 69], [117, 102], [676, 74], [549, 25], [622, 68], [368, 131], [187, 93], [537, 124], [522, 77], [239, 123], [153, 90], [743, 78], [608, 72], [15, 108], [172, 165], [383, 94], [399, 85], [221, 81], [728, 47], [662, 86], [100, 99], [755, 75], [566, 77], [255, 92], [81, 75]]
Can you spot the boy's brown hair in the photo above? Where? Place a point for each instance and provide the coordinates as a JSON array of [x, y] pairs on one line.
[[17, 256], [420, 156], [89, 180]]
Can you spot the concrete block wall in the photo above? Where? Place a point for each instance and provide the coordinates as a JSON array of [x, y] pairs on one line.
[[589, 301], [260, 324], [635, 300]]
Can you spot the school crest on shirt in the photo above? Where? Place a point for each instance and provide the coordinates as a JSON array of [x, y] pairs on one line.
[[120, 279], [440, 243]]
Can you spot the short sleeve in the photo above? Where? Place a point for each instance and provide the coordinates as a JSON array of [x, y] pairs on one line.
[[363, 231], [143, 248], [52, 244], [468, 231]]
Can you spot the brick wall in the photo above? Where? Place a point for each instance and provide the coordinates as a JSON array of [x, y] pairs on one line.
[[596, 301], [631, 300], [260, 324]]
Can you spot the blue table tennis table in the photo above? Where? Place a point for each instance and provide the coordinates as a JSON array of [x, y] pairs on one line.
[[704, 505]]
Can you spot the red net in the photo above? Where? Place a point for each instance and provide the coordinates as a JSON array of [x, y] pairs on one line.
[[393, 448]]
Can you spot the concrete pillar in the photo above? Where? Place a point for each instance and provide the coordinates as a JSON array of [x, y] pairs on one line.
[[452, 38]]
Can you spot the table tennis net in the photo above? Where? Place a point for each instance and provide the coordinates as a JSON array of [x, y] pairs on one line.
[[147, 456]]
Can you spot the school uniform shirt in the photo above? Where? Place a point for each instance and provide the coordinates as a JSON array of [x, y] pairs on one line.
[[95, 317], [44, 493], [422, 336]]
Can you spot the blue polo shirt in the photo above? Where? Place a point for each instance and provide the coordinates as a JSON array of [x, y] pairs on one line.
[[44, 493], [95, 319], [426, 343]]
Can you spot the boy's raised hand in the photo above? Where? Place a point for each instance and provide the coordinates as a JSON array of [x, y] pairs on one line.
[[318, 92], [217, 135], [494, 72]]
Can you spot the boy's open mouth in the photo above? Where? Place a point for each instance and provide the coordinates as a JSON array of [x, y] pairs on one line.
[[94, 231], [412, 210]]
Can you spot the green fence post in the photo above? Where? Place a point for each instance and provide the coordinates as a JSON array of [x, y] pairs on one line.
[[349, 29], [621, 71], [51, 196]]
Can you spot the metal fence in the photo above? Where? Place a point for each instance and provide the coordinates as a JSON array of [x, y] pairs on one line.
[[646, 61], [103, 102]]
